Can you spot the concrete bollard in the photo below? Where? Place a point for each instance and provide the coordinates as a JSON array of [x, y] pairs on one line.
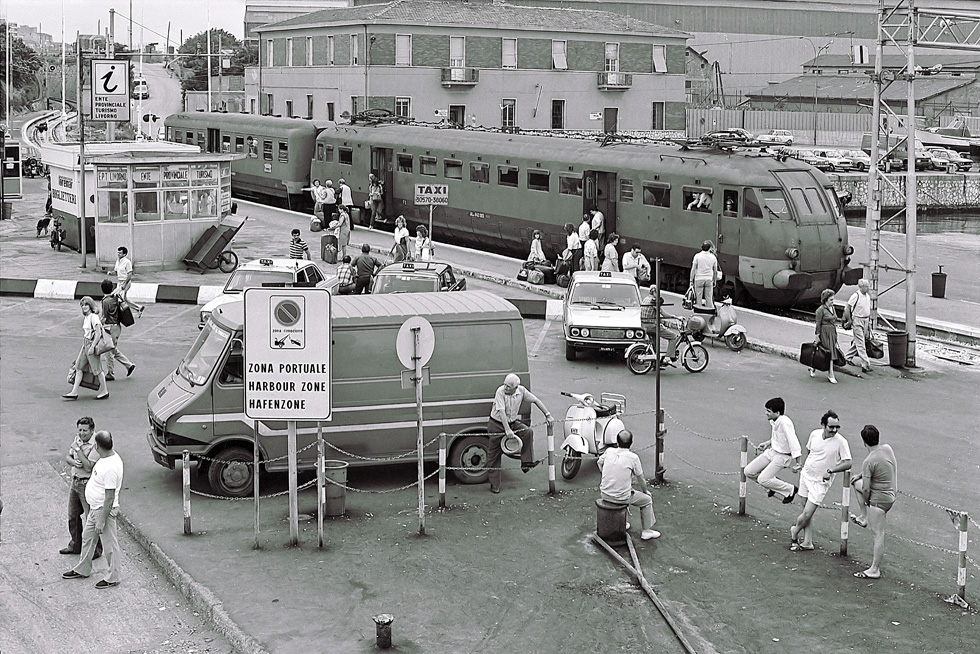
[[186, 462], [442, 470], [845, 507], [551, 460], [383, 623], [961, 568]]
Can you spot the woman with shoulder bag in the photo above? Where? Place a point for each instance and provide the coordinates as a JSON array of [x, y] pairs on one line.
[[90, 355], [401, 239], [826, 330]]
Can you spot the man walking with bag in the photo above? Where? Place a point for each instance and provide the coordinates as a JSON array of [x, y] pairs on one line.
[[111, 309], [857, 312]]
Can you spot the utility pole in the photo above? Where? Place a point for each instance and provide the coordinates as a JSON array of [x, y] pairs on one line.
[[110, 53], [130, 25], [82, 229], [220, 90]]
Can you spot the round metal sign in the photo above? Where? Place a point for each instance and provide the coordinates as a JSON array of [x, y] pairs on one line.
[[405, 342]]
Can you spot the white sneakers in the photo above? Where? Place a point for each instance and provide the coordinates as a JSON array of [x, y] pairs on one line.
[[649, 534]]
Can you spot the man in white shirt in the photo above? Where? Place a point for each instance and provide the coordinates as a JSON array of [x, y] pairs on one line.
[[599, 225], [505, 422], [782, 450], [102, 495], [124, 272], [620, 468], [827, 454], [857, 312], [346, 197], [704, 274], [585, 228], [636, 264]]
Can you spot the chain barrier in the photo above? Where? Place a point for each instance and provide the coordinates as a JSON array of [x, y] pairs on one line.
[[945, 550], [373, 458], [381, 492], [712, 472], [734, 439], [250, 498]]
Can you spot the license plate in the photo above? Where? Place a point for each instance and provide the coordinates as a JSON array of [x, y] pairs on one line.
[[606, 333]]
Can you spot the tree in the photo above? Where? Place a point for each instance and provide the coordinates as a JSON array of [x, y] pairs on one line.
[[195, 75], [25, 63]]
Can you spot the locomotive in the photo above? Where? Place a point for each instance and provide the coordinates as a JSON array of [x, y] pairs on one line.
[[778, 224]]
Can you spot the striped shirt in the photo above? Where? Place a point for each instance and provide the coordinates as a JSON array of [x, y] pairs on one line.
[[297, 247]]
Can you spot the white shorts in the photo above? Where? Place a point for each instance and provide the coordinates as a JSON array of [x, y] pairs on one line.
[[814, 489]]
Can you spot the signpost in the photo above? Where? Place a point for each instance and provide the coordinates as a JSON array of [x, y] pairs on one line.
[[288, 366], [110, 90], [414, 345], [431, 194]]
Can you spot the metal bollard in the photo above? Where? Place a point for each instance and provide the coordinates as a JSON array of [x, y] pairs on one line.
[[551, 459], [743, 460], [186, 464], [442, 470], [383, 623], [661, 432], [845, 507], [961, 569]]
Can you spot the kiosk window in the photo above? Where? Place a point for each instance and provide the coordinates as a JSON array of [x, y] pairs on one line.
[[568, 185], [538, 180], [507, 176], [345, 156], [205, 204], [453, 169], [427, 165], [113, 207], [404, 163], [175, 207], [146, 206], [656, 195], [479, 172]]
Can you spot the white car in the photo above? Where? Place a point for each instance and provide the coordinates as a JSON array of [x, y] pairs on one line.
[[838, 161], [776, 137], [601, 312], [943, 159], [255, 274], [859, 159]]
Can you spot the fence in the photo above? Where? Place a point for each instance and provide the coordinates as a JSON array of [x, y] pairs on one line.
[[830, 129]]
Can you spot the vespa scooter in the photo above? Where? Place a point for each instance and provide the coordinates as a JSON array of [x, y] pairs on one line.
[[590, 428], [720, 322]]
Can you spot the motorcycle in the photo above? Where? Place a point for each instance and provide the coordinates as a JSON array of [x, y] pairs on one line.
[[641, 357], [590, 428], [720, 322], [57, 235], [34, 167]]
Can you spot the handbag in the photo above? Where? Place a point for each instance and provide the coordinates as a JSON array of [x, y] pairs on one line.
[[688, 301], [814, 356], [102, 345], [126, 318], [874, 348], [535, 276], [315, 224], [88, 379], [643, 275]]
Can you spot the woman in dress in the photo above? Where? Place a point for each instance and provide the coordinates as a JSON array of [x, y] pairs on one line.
[[401, 239], [536, 255], [423, 244], [611, 260], [88, 360], [343, 231], [590, 253], [826, 330]]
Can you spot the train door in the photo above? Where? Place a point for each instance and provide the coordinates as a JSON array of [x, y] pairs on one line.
[[599, 190], [727, 232], [214, 140], [381, 166]]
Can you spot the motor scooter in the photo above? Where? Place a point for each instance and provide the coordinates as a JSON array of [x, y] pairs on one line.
[[720, 322], [590, 428], [642, 356]]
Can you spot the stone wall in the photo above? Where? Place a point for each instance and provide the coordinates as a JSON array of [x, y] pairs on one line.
[[945, 191]]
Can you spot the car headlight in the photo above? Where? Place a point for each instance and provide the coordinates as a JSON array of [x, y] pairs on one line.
[[584, 332], [639, 334], [574, 331], [629, 333], [204, 316]]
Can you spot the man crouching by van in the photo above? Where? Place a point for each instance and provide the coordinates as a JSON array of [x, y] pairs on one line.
[[504, 421]]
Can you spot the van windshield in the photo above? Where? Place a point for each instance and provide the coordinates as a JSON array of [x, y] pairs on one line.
[[197, 364]]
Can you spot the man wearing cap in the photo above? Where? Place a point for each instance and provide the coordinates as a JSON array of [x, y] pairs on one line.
[[505, 423]]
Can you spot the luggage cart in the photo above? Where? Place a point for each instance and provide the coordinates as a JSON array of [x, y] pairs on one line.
[[209, 252]]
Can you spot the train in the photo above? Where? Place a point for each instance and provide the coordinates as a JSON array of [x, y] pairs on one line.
[[777, 224]]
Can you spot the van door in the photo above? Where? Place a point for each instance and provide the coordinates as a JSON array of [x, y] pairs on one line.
[[227, 392], [599, 190], [381, 166]]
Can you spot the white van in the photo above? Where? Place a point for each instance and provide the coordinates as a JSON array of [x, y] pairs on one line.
[[141, 90], [479, 339]]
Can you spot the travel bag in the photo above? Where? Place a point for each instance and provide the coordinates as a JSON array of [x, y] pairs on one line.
[[814, 356]]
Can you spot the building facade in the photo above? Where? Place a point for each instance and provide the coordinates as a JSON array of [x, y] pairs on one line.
[[475, 64]]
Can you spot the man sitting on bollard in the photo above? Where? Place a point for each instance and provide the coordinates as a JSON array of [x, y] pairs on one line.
[[619, 468], [782, 450]]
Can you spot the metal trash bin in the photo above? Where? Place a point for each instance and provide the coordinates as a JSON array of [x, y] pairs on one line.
[[898, 345], [939, 283], [335, 502]]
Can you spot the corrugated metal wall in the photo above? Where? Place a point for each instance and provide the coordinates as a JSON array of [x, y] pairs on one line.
[[830, 129]]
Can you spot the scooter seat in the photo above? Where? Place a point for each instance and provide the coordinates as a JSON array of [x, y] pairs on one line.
[[601, 410], [705, 310]]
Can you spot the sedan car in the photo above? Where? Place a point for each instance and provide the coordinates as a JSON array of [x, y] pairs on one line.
[[859, 159], [601, 312], [417, 277], [731, 135], [943, 159], [776, 137], [838, 161]]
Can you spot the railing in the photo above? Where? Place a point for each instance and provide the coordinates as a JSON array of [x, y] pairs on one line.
[[609, 81], [460, 76]]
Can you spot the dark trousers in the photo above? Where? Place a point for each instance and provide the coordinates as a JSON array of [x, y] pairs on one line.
[[576, 263], [76, 509], [362, 285], [496, 432]]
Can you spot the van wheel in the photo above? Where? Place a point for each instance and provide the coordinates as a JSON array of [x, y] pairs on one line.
[[470, 456], [230, 472], [569, 352]]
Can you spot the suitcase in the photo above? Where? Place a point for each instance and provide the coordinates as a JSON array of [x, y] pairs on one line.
[[548, 271], [328, 248], [813, 356], [535, 276]]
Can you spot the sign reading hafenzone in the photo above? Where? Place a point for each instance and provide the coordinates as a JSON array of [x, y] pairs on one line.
[[287, 354], [110, 90], [431, 194]]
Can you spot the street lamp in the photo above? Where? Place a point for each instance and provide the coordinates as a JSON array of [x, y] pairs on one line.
[[816, 53]]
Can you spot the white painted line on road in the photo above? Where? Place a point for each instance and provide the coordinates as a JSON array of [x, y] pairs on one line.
[[541, 336], [207, 293], [970, 302], [16, 306], [55, 289]]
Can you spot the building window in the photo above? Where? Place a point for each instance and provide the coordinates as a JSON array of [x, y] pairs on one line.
[[508, 114], [403, 163], [452, 169], [309, 51], [403, 107], [354, 105], [507, 176], [479, 172], [289, 108], [559, 55], [403, 49], [660, 59], [289, 52], [270, 103], [330, 51], [508, 53], [457, 51], [251, 104], [427, 166], [612, 58], [659, 108], [309, 105], [538, 180], [354, 47], [345, 156], [269, 50], [557, 114], [568, 185], [330, 111]]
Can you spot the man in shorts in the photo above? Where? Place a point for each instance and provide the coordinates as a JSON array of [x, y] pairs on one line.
[[875, 489], [827, 454]]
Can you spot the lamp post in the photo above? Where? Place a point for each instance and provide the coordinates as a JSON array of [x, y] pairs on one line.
[[816, 53]]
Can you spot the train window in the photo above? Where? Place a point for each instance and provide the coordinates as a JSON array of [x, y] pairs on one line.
[[201, 140], [404, 163], [697, 198], [750, 205], [239, 144], [452, 169], [327, 152], [507, 176], [775, 202], [625, 190], [479, 172], [730, 207], [656, 194], [267, 150], [189, 138], [538, 180], [283, 152], [345, 156], [225, 143], [568, 185], [427, 165]]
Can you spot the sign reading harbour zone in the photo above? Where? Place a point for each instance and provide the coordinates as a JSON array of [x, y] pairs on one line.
[[287, 354], [431, 194], [110, 90]]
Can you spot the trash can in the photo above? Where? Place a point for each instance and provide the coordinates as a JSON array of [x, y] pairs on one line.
[[328, 247], [939, 283], [336, 496], [898, 344]]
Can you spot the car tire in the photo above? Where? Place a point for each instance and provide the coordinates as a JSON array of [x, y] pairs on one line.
[[570, 353]]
